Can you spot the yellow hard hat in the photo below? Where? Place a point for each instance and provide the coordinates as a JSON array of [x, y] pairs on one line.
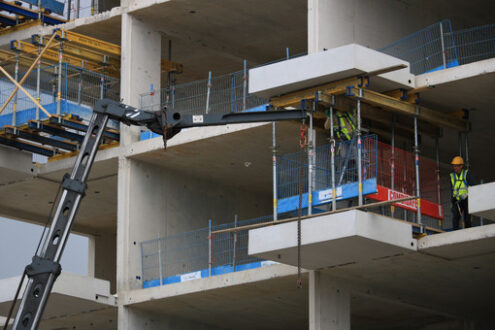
[[457, 161]]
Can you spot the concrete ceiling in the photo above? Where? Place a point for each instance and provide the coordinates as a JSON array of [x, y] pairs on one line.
[[29, 198], [218, 35], [243, 158]]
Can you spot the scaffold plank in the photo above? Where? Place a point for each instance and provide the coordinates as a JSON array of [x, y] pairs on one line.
[[36, 137], [23, 145], [12, 7], [53, 56]]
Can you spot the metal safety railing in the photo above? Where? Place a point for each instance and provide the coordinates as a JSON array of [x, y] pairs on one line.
[[438, 47], [227, 93], [77, 85], [220, 94], [473, 44], [289, 166], [426, 50], [197, 254]]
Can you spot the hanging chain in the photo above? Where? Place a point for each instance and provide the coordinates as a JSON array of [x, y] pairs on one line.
[[302, 144]]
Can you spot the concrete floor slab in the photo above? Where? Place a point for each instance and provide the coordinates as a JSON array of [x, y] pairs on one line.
[[331, 240], [460, 243], [71, 295], [324, 67], [482, 200], [264, 298]]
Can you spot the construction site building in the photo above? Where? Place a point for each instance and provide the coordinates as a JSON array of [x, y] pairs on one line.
[[178, 236]]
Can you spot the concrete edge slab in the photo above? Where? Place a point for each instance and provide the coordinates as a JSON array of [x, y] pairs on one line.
[[323, 67], [134, 297], [184, 137], [456, 73], [67, 284], [448, 239]]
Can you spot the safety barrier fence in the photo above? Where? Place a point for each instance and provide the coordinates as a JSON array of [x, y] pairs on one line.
[[473, 44], [438, 47], [197, 254], [290, 181], [222, 94], [426, 50], [387, 173], [77, 85]]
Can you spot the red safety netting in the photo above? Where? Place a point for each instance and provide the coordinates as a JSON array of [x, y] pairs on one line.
[[400, 165]]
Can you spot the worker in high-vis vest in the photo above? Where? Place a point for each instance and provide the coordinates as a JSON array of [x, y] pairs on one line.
[[344, 125], [460, 180]]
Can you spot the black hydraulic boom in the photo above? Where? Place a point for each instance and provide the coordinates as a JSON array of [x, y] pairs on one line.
[[45, 267]]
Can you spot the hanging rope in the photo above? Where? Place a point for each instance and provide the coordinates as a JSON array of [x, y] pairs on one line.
[[303, 141]]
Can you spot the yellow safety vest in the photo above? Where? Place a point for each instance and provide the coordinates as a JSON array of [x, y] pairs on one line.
[[345, 125], [459, 185]]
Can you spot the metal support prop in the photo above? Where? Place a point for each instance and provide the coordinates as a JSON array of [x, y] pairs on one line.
[[208, 93], [274, 166], [332, 155], [234, 249], [209, 247], [244, 86], [416, 161], [439, 193], [69, 5], [38, 80], [359, 151], [78, 8], [39, 9], [444, 59], [310, 160], [79, 87], [481, 218], [392, 163], [160, 258], [41, 281], [60, 58], [459, 141], [102, 78], [16, 78], [467, 144]]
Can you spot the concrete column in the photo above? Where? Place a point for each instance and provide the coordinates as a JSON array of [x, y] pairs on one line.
[[140, 66], [91, 256], [329, 303]]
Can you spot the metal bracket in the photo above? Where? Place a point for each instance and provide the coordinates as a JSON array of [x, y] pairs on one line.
[[43, 266], [348, 91], [73, 185]]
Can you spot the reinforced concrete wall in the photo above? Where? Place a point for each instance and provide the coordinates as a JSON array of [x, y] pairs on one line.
[[333, 23], [165, 202]]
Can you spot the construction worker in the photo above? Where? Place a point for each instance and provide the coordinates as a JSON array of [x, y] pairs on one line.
[[344, 125], [460, 180]]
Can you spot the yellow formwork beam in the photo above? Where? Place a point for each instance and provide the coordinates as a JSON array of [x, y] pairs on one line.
[[334, 88], [53, 56], [403, 107], [103, 47], [94, 49]]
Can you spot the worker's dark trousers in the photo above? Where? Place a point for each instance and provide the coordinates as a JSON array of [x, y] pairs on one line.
[[463, 205]]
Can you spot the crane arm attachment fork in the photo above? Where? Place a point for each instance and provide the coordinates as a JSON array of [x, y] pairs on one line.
[[45, 267]]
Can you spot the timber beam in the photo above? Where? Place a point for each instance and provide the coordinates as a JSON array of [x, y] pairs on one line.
[[389, 103], [53, 55], [333, 88], [376, 114]]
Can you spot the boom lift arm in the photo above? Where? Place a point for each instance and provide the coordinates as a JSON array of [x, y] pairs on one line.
[[45, 267]]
